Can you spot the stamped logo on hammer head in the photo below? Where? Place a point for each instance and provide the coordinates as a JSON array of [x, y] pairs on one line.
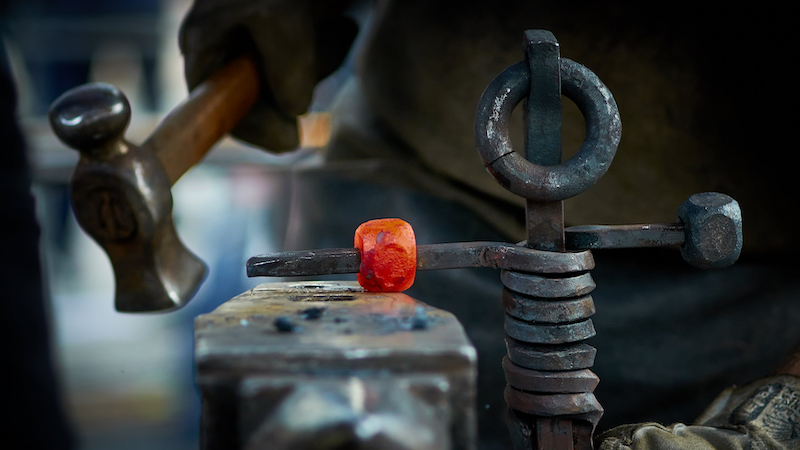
[[113, 219]]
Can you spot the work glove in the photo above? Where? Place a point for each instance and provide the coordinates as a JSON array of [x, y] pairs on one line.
[[296, 43], [763, 415]]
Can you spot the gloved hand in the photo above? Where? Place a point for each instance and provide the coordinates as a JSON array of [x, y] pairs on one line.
[[763, 415], [295, 42]]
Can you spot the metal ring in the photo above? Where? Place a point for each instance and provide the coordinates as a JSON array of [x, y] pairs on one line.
[[545, 333], [545, 287], [530, 309], [549, 357], [547, 183], [562, 382], [549, 405]]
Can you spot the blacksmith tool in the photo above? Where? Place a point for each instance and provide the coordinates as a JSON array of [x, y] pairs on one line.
[[325, 365], [121, 192], [547, 282]]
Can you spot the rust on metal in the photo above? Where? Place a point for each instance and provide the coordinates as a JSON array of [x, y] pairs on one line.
[[352, 358], [545, 333], [547, 310], [551, 405], [547, 287], [574, 381], [551, 358], [496, 255]]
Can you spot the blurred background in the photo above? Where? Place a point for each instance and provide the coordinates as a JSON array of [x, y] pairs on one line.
[[127, 380]]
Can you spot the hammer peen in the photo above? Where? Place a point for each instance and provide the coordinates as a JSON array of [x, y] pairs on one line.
[[121, 192]]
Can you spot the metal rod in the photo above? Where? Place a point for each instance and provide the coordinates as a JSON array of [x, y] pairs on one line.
[[553, 433], [590, 237], [498, 255], [544, 220]]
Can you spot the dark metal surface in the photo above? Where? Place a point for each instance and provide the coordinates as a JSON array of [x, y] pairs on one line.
[[544, 221], [496, 255], [553, 432], [551, 405], [575, 381], [713, 230], [117, 195], [360, 362], [91, 118], [551, 358], [305, 262], [544, 287], [548, 333], [709, 233], [592, 237], [548, 311], [551, 183], [550, 314], [716, 242], [534, 433], [500, 255]]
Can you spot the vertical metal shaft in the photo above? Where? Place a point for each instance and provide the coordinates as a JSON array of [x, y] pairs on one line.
[[544, 220]]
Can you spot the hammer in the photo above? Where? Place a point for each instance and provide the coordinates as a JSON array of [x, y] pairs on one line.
[[121, 192]]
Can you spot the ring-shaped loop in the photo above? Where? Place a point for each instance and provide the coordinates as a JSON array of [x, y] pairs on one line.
[[547, 183]]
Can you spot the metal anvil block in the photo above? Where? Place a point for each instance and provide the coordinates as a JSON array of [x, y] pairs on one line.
[[326, 365]]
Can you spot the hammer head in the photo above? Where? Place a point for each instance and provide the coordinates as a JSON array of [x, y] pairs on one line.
[[121, 197], [713, 228]]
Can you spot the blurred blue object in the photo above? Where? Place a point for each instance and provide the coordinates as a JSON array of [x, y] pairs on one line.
[[57, 40]]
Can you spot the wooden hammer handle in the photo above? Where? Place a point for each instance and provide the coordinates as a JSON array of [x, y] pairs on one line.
[[212, 109]]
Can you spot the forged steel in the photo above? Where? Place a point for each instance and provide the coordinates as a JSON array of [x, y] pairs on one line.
[[709, 233], [551, 358], [305, 262], [716, 242], [575, 381], [546, 310], [496, 255], [545, 287], [550, 314], [550, 433], [544, 221], [547, 282], [547, 333], [713, 230], [547, 183], [592, 237], [550, 405]]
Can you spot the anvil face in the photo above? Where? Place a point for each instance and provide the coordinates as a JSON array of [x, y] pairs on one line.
[[285, 364]]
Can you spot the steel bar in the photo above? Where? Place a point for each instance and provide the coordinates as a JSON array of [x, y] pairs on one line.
[[553, 433], [590, 237], [572, 382], [544, 220], [497, 255]]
